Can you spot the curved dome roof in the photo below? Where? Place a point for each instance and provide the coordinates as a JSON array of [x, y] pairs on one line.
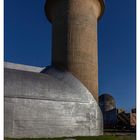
[[106, 97], [107, 102], [52, 84]]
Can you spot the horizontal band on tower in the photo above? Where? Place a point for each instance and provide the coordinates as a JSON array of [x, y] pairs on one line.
[[49, 4]]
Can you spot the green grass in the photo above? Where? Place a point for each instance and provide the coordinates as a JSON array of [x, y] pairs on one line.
[[84, 138]]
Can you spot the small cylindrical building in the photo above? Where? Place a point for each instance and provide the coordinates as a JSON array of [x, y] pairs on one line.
[[108, 107]]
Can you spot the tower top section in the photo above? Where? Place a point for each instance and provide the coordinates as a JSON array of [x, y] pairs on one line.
[[99, 7]]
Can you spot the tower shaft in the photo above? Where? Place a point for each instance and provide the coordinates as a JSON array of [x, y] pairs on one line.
[[74, 35]]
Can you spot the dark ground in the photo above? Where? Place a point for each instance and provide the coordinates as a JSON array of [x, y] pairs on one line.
[[131, 137]]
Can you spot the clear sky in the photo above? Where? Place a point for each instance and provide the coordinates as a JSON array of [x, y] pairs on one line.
[[28, 41]]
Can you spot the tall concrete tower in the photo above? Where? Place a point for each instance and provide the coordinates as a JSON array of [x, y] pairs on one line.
[[74, 35], [60, 100]]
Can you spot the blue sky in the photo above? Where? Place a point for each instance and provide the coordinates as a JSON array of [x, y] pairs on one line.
[[28, 41]]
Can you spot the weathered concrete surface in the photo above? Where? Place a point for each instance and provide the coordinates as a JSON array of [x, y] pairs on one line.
[[74, 33], [55, 104]]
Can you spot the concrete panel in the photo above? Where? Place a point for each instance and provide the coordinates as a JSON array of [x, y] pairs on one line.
[[8, 117]]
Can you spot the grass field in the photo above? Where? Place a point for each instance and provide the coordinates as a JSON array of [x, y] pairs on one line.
[[85, 138]]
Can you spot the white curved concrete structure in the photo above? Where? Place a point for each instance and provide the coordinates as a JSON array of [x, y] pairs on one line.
[[54, 104]]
